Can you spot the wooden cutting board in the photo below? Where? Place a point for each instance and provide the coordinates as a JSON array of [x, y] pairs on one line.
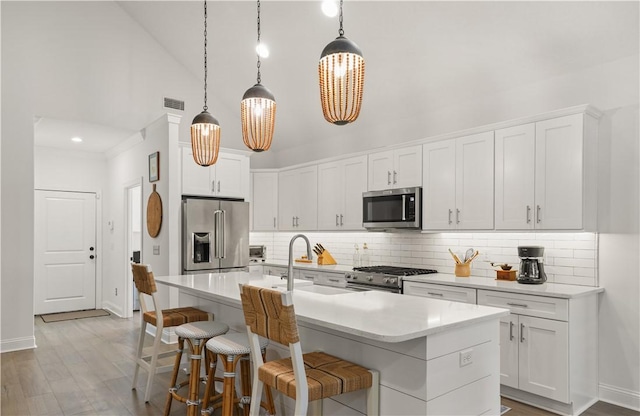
[[154, 213]]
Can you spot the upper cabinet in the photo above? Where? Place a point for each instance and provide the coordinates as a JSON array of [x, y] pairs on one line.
[[228, 177], [340, 188], [264, 201], [457, 182], [545, 175], [298, 199], [399, 168]]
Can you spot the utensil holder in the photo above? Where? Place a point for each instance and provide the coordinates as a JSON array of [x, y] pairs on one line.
[[326, 258], [463, 269]]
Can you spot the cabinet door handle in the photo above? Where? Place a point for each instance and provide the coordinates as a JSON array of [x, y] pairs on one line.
[[528, 214], [521, 332], [297, 221], [450, 212], [520, 305], [457, 216], [293, 221], [434, 294], [274, 222], [388, 177], [538, 214], [395, 176], [337, 216], [213, 186], [341, 223], [510, 331], [218, 186]]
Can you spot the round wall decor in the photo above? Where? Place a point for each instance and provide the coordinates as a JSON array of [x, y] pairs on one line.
[[154, 213]]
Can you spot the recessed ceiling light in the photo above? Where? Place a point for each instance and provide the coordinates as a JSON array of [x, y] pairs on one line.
[[76, 139], [329, 8]]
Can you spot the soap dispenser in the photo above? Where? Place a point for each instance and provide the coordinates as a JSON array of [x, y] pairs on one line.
[[356, 256], [364, 258]]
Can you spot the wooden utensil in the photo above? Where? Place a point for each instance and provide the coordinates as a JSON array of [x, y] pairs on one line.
[[154, 213], [473, 257], [455, 257]]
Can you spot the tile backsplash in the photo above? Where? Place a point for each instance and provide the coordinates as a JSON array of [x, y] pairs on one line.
[[570, 258]]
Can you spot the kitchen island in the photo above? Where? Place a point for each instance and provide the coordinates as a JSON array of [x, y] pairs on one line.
[[434, 357]]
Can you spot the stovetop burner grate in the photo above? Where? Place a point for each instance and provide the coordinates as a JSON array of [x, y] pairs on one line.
[[393, 270]]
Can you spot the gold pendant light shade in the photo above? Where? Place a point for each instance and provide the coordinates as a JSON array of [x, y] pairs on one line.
[[258, 117], [341, 73], [205, 139]]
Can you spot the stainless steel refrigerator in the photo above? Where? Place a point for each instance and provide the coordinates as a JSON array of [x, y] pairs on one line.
[[215, 235]]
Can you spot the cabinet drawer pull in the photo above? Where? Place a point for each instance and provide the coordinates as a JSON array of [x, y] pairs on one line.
[[528, 214], [520, 305], [510, 331], [435, 294], [309, 277], [334, 280], [521, 332]]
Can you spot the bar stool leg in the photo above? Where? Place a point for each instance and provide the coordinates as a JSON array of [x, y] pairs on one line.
[[245, 381], [194, 377], [229, 385], [174, 377], [209, 388]]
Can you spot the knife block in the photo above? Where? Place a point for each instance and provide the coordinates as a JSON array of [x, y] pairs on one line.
[[326, 258]]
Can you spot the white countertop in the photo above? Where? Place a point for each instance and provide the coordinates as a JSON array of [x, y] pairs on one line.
[[333, 268], [554, 290], [374, 315]]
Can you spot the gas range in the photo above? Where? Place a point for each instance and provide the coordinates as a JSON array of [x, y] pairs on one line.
[[386, 278]]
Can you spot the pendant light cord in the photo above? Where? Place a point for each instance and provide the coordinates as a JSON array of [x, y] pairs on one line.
[[341, 31], [258, 65], [205, 56]]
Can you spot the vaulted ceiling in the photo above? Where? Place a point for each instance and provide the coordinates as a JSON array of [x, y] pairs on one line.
[[420, 56]]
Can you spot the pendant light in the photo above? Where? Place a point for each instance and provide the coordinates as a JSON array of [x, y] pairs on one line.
[[205, 129], [258, 110], [341, 72]]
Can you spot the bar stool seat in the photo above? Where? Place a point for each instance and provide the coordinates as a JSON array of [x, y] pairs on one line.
[[233, 348], [196, 334]]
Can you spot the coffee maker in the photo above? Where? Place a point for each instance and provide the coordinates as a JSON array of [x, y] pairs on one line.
[[531, 269]]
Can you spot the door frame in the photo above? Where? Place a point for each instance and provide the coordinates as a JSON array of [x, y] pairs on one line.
[[128, 283], [99, 251]]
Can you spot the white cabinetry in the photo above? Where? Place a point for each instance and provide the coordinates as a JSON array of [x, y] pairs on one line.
[[298, 199], [228, 177], [399, 168], [428, 290], [340, 188], [545, 174], [458, 183], [264, 201], [548, 353]]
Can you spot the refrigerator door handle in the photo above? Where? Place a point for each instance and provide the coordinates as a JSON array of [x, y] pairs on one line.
[[221, 241], [217, 230]]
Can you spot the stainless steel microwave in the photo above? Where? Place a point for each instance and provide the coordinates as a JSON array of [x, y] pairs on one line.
[[392, 208]]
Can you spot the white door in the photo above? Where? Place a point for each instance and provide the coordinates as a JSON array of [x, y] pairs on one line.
[[307, 194], [558, 183], [380, 167], [407, 167], [330, 195], [509, 340], [64, 251], [265, 201], [439, 185], [515, 177], [287, 199], [196, 179], [230, 175], [474, 182], [544, 362], [355, 183]]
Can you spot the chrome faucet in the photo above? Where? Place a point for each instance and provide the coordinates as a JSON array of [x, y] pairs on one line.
[[309, 256]]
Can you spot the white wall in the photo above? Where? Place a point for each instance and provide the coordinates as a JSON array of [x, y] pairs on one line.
[[63, 170]]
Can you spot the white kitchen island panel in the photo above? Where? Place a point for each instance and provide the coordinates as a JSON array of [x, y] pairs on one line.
[[359, 326]]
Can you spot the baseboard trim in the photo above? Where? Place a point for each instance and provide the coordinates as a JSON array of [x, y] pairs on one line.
[[114, 309], [17, 344], [619, 396]]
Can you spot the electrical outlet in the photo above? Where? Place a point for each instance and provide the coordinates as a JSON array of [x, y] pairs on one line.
[[466, 357]]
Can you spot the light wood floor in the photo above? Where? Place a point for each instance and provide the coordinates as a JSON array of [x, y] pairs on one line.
[[85, 367]]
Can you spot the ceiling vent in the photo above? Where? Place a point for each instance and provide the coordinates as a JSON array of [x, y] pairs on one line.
[[173, 104]]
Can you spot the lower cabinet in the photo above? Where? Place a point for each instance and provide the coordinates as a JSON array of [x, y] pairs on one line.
[[428, 290], [534, 356]]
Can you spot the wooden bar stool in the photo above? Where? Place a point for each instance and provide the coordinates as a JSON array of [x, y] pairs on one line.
[[233, 348], [304, 377], [160, 319], [196, 334]]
